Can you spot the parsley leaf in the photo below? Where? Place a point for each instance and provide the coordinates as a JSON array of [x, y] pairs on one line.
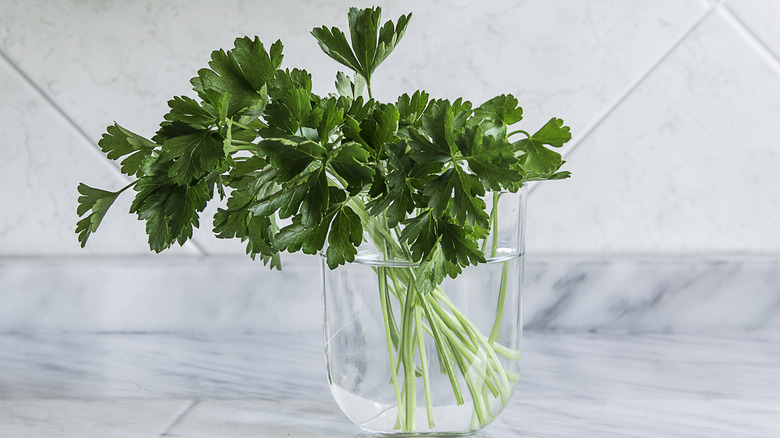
[[346, 233], [351, 164], [291, 156], [347, 88], [118, 142], [242, 72], [370, 44], [193, 155], [498, 113], [170, 210], [98, 201], [553, 133]]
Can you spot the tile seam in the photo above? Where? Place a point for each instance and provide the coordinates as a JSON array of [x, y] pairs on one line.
[[62, 113], [750, 37], [94, 148], [183, 413], [634, 85]]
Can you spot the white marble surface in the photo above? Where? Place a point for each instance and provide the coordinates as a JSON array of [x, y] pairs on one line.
[[274, 385], [229, 294]]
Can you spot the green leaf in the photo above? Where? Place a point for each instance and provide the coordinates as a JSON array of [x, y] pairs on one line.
[[491, 159], [259, 241], [458, 246], [363, 28], [438, 125], [96, 200], [553, 133], [389, 37], [332, 119], [370, 44], [188, 111], [422, 233], [242, 72], [334, 43], [350, 163], [257, 65], [463, 191], [290, 156], [295, 237], [288, 112], [193, 155], [431, 272], [346, 88], [315, 201], [498, 113], [285, 200], [537, 161], [380, 128], [170, 210], [410, 109], [395, 198], [442, 122], [346, 233], [252, 179], [118, 142]]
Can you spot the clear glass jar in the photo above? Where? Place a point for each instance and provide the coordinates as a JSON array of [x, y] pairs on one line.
[[406, 359]]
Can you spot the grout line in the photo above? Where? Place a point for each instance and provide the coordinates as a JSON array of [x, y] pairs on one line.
[[81, 132], [750, 37], [61, 112], [631, 88], [306, 261], [183, 413]]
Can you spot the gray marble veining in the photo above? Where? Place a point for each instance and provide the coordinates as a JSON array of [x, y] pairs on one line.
[[234, 294], [274, 385]]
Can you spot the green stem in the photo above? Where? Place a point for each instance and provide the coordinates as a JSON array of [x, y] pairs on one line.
[[238, 145], [506, 352], [479, 337], [424, 365], [385, 302], [406, 355], [500, 306], [519, 131], [127, 187], [494, 226], [444, 348]]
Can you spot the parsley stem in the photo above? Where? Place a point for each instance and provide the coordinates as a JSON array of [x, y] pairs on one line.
[[127, 187], [238, 145], [424, 366], [406, 355], [242, 126], [385, 303], [519, 131]]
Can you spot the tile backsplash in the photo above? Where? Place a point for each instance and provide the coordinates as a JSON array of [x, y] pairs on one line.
[[675, 156]]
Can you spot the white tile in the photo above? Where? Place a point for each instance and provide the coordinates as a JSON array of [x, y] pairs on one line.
[[761, 17], [566, 59], [124, 60], [687, 164], [88, 418], [44, 159]]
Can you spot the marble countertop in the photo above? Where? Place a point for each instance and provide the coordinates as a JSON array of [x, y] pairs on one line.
[[274, 385]]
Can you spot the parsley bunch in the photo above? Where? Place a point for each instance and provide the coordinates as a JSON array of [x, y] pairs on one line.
[[258, 136], [303, 172]]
